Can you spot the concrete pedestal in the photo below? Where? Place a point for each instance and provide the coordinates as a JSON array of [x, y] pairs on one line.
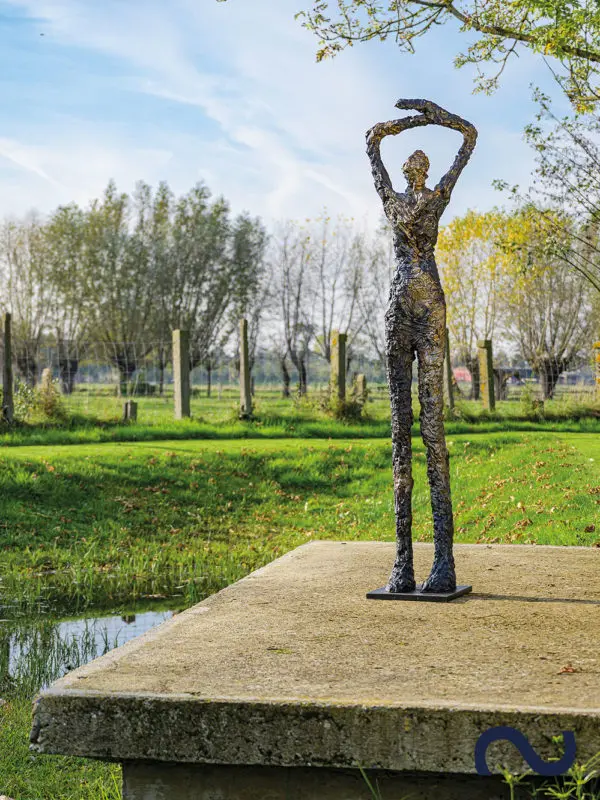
[[286, 682]]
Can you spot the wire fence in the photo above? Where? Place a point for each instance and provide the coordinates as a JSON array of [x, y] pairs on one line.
[[94, 379], [148, 367]]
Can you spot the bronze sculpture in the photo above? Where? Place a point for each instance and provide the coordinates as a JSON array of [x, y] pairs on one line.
[[416, 323]]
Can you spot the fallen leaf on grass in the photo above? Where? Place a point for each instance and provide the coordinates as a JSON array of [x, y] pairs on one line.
[[589, 528], [568, 669], [523, 523]]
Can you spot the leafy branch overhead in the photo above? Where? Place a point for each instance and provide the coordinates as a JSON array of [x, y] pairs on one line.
[[565, 193], [569, 32]]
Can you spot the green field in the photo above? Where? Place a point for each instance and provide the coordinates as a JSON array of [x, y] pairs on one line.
[[95, 525], [94, 416]]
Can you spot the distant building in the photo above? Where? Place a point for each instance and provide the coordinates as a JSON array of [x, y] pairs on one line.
[[462, 374]]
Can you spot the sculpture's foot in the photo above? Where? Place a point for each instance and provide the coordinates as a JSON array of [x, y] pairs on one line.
[[402, 579], [442, 578]]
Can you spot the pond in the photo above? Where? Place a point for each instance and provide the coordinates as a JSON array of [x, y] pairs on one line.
[[35, 651]]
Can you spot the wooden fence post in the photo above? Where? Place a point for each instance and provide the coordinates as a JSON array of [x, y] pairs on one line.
[[245, 386], [181, 373], [8, 404], [338, 364], [486, 373], [130, 411]]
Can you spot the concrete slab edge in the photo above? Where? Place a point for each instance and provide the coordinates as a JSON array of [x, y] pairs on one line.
[[188, 729]]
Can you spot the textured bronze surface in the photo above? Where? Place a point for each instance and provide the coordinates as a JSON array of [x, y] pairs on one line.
[[416, 323]]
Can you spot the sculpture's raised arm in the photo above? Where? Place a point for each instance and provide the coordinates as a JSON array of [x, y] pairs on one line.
[[382, 180], [438, 116]]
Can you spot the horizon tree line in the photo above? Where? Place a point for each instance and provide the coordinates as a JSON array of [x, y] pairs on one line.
[[128, 269]]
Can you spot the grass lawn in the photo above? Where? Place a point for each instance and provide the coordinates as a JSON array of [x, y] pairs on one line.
[[94, 525], [97, 418], [25, 776]]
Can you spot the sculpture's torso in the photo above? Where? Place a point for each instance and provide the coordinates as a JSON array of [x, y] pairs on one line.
[[416, 291]]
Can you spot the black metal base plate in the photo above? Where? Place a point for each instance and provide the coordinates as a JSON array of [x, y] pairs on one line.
[[417, 594]]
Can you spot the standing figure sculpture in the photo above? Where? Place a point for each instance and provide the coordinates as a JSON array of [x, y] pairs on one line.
[[415, 323]]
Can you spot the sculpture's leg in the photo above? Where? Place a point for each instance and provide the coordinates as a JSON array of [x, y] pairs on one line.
[[400, 358], [431, 364]]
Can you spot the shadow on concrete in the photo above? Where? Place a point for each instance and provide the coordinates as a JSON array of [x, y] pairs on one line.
[[526, 599]]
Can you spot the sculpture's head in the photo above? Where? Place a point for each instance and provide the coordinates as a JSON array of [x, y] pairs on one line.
[[415, 170]]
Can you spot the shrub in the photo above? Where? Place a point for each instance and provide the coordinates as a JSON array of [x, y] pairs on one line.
[[453, 413], [347, 410], [350, 409], [48, 397], [531, 405], [24, 400]]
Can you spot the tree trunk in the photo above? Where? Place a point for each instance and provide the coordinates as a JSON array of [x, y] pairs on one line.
[[126, 369], [549, 371], [472, 365], [208, 378], [302, 377], [162, 363], [68, 370], [500, 381], [285, 378]]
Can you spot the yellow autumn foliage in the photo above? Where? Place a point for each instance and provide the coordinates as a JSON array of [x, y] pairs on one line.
[[472, 267]]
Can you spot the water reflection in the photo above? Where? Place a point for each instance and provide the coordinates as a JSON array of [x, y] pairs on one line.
[[35, 652]]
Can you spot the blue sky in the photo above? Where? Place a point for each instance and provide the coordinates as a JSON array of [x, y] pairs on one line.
[[230, 93]]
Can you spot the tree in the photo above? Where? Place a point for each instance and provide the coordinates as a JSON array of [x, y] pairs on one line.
[[472, 267], [567, 182], [280, 350], [251, 285], [127, 271], [290, 257], [549, 309], [123, 292], [160, 269], [69, 314], [380, 264], [27, 290], [337, 273], [202, 272], [568, 31]]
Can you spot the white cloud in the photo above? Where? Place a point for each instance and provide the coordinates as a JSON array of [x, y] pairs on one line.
[[28, 158], [75, 168]]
